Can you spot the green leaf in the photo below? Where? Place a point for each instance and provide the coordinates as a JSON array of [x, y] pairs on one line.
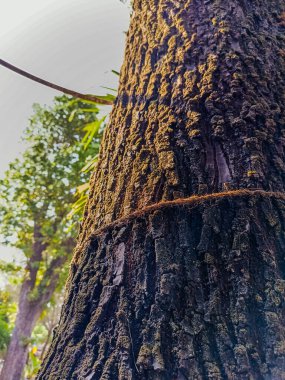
[[109, 88], [90, 164], [78, 206], [82, 188], [92, 130], [71, 117], [108, 97], [92, 110], [115, 72]]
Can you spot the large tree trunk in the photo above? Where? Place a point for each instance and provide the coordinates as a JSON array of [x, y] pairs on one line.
[[166, 284]]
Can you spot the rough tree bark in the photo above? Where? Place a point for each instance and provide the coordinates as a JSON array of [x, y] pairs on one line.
[[179, 271]]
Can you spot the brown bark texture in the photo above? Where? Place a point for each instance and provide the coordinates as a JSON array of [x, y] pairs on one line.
[[184, 292], [192, 287]]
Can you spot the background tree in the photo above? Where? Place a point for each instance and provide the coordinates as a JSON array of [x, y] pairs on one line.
[[42, 335], [37, 194], [4, 321], [9, 274], [7, 308], [176, 276]]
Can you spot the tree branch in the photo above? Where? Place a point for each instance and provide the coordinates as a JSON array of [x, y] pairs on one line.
[[50, 279], [75, 94], [37, 255]]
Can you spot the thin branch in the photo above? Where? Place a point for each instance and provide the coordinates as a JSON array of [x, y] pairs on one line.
[[51, 276], [37, 255], [75, 94], [50, 279]]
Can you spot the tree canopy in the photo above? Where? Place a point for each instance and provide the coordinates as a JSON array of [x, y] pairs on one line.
[[42, 197]]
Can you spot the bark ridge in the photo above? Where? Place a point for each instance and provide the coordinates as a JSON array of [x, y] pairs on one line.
[[180, 293]]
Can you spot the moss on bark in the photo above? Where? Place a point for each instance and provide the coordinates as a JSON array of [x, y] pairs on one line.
[[180, 293], [186, 290]]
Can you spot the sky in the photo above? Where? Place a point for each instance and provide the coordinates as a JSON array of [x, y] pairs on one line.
[[73, 43]]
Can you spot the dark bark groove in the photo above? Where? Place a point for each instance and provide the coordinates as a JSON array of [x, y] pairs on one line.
[[187, 291], [200, 108], [179, 293]]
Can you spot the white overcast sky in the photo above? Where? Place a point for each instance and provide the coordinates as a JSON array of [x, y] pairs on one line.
[[74, 43]]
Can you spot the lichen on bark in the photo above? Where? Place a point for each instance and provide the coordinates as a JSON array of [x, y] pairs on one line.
[[201, 296], [200, 104], [187, 289]]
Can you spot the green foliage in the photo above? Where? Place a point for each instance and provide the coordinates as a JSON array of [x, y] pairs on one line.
[[93, 135], [39, 189], [108, 97], [92, 130], [7, 308], [4, 333], [37, 340], [42, 197], [34, 363], [9, 268]]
